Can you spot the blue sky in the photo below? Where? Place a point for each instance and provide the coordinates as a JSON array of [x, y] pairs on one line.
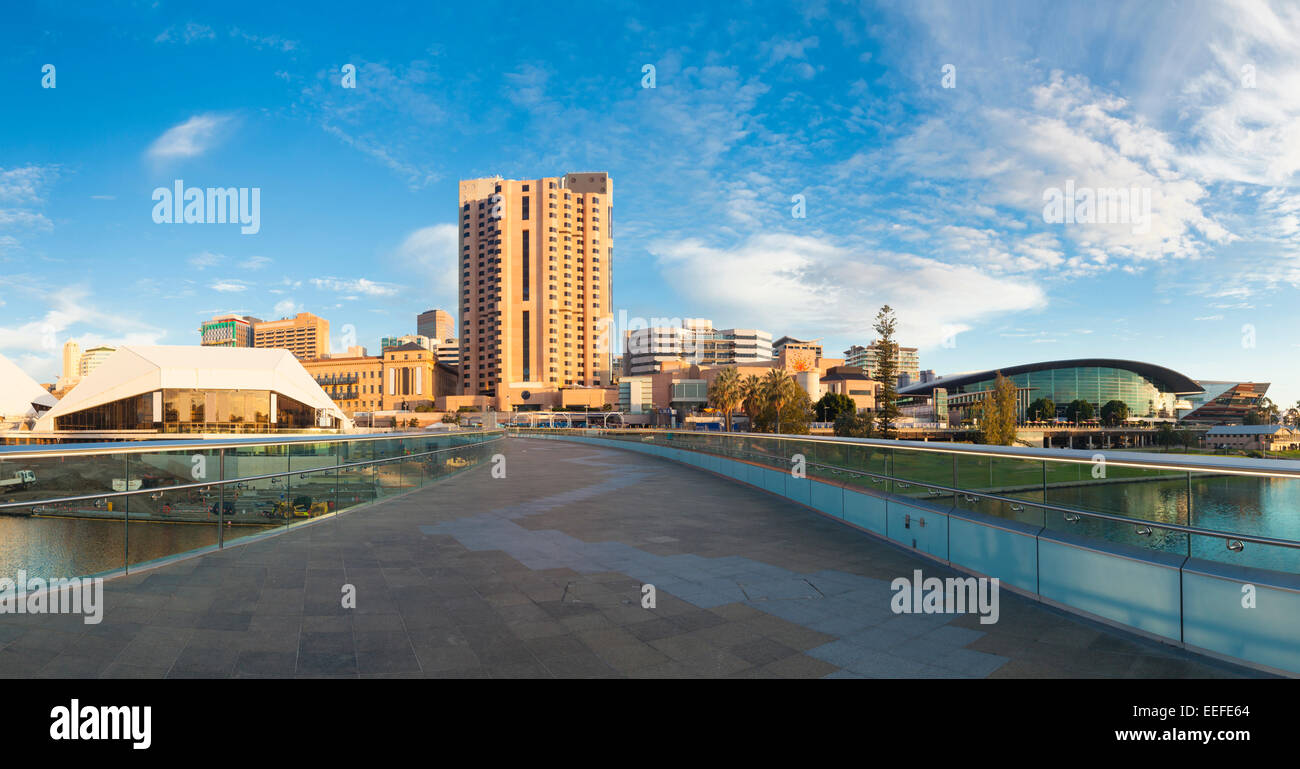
[[925, 197]]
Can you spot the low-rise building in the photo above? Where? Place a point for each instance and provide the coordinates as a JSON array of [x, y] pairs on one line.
[[1252, 438], [194, 389]]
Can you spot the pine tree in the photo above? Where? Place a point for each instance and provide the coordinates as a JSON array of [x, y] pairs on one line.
[[886, 353]]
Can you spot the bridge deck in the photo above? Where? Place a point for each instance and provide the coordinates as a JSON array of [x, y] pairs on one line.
[[540, 574]]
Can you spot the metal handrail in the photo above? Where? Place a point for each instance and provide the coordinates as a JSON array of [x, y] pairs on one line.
[[228, 481], [1014, 502], [1292, 470], [182, 444]]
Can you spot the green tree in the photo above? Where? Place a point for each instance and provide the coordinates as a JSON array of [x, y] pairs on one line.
[[886, 354], [450, 419], [1266, 412], [851, 425], [831, 405], [1114, 412], [998, 420], [1041, 410], [778, 391], [1079, 410], [751, 397], [726, 393]]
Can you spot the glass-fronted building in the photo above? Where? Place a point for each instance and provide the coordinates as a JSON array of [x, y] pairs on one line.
[[180, 389], [1150, 391]]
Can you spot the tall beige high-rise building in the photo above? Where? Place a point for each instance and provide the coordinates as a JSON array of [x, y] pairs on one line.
[[305, 335], [435, 324], [71, 365], [535, 268]]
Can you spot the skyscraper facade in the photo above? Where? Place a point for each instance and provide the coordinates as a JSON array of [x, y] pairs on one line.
[[227, 331], [535, 280], [435, 324], [305, 335]]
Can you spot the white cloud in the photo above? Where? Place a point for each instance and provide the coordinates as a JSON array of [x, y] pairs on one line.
[[800, 282], [191, 138], [206, 259], [189, 33], [229, 286], [70, 314], [431, 252], [362, 286]]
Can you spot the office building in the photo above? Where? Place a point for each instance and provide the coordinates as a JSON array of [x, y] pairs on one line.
[[535, 279], [1222, 403], [353, 382], [695, 341], [305, 335], [435, 324], [227, 331], [907, 361], [92, 358], [397, 341]]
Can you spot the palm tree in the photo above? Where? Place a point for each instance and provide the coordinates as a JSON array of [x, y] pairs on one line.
[[726, 393], [751, 397], [779, 390]]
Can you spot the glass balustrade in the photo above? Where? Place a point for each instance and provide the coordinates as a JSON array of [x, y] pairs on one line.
[[82, 510]]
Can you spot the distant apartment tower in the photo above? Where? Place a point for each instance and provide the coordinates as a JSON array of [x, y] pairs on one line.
[[92, 358], [227, 331], [907, 361], [71, 365], [305, 335], [695, 341], [435, 324], [535, 266], [791, 343], [447, 352]]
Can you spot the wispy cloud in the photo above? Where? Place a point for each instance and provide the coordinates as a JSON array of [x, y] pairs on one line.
[[358, 286], [190, 139], [187, 33]]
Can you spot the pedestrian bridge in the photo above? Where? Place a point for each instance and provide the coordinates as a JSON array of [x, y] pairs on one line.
[[478, 554]]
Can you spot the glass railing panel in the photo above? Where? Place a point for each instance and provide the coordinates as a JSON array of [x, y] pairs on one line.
[[1249, 505], [69, 475], [253, 493], [311, 488], [1145, 494], [55, 541], [1020, 479], [411, 468], [913, 468], [356, 486], [164, 524]]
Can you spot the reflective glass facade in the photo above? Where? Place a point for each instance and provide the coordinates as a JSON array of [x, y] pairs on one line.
[[196, 411], [1098, 385]]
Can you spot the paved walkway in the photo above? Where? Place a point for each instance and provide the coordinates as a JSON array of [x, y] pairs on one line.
[[540, 574]]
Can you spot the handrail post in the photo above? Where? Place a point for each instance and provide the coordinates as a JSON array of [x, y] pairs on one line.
[[221, 500]]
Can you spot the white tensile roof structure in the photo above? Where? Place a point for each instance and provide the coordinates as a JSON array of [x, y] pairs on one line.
[[137, 369], [20, 395]]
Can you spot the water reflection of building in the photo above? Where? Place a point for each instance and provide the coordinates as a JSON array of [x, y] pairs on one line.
[[180, 389], [1223, 403]]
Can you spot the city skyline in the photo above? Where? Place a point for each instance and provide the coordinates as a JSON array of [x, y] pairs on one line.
[[925, 197]]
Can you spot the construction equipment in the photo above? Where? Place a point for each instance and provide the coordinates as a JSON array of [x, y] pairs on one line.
[[21, 479]]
